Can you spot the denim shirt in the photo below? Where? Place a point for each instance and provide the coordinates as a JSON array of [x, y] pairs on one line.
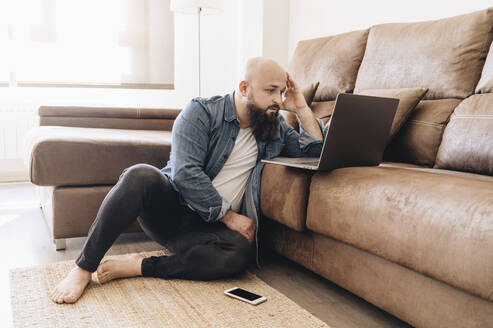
[[203, 137]]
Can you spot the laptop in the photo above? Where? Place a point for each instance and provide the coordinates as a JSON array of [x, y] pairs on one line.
[[357, 136]]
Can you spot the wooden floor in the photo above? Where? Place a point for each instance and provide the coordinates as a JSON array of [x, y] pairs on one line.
[[25, 241]]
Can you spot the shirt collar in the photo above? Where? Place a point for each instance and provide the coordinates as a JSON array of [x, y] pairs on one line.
[[230, 109]]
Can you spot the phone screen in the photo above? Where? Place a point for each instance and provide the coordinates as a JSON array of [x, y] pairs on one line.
[[244, 294]]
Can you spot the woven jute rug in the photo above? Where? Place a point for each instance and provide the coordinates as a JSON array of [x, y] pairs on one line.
[[149, 302]]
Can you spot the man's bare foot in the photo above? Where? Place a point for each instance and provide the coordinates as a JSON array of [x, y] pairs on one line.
[[71, 288], [129, 266]]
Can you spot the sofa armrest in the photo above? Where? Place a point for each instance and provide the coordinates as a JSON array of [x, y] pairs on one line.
[[108, 117]]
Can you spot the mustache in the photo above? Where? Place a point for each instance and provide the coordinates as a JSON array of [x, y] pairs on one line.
[[274, 107]]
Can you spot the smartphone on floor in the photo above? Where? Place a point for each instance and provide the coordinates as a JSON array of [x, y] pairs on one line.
[[245, 295]]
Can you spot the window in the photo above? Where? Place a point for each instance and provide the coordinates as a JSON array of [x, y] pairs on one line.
[[87, 43]]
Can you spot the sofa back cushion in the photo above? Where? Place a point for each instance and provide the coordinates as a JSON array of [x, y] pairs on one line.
[[485, 84], [108, 117], [333, 60], [323, 110], [446, 56], [467, 143], [418, 140]]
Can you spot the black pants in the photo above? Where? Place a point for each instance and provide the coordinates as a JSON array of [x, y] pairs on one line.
[[202, 251]]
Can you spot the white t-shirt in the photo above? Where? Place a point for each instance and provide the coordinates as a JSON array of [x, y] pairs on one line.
[[231, 181]]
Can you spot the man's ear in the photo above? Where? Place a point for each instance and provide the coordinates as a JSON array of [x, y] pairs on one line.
[[243, 88]]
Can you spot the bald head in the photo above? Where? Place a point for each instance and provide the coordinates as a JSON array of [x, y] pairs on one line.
[[258, 96], [261, 70]]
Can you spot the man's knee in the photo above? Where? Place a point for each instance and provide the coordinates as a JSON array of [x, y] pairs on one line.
[[143, 174]]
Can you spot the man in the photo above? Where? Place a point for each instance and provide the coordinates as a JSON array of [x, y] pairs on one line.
[[204, 205]]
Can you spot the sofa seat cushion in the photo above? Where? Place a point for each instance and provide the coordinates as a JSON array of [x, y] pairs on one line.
[[284, 195], [437, 223], [59, 155]]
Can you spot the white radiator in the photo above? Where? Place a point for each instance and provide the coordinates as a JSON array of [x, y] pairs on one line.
[[16, 119]]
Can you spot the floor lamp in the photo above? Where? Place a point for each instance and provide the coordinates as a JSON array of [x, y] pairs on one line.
[[198, 7]]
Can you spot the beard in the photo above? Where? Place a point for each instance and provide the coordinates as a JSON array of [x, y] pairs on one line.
[[264, 125]]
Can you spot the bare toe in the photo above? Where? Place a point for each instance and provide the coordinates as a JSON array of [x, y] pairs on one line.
[[105, 277], [101, 273], [72, 287], [101, 266], [71, 298], [54, 296], [59, 298]]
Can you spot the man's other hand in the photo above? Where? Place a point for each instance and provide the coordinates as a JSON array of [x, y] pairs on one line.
[[240, 223]]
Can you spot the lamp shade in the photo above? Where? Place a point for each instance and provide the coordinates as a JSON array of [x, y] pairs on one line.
[[191, 6]]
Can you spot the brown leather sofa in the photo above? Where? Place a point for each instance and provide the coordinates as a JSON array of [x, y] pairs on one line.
[[414, 235], [77, 154]]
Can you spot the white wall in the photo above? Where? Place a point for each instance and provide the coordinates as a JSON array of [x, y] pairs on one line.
[[219, 44], [315, 18], [243, 29], [160, 15], [185, 81], [271, 28], [247, 28], [250, 31], [276, 30]]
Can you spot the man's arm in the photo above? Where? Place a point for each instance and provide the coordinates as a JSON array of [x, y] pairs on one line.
[[309, 141], [309, 123], [302, 144], [190, 140]]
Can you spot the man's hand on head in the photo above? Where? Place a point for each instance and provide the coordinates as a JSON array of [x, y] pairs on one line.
[[294, 101], [240, 223]]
